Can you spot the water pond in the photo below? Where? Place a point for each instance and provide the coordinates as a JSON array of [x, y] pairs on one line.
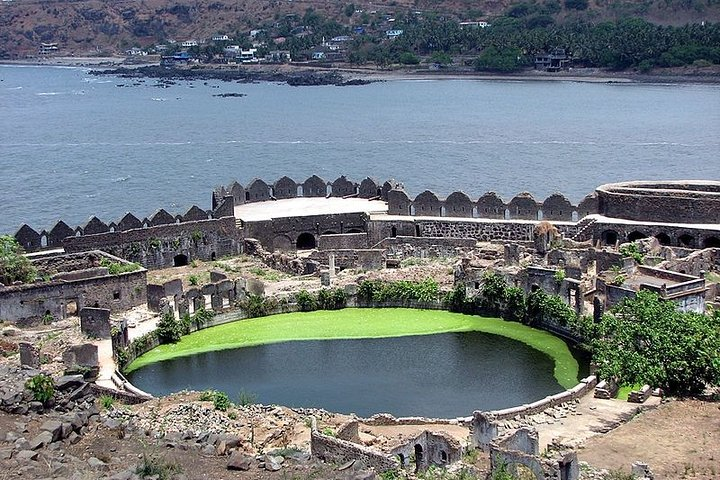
[[436, 375]]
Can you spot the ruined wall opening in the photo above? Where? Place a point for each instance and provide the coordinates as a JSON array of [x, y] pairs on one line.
[[305, 241], [711, 242], [443, 456], [393, 232], [418, 457], [180, 260], [635, 235], [686, 240], [663, 238], [417, 230], [71, 308], [609, 237]]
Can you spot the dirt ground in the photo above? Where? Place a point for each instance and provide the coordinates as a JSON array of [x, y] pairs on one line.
[[680, 439]]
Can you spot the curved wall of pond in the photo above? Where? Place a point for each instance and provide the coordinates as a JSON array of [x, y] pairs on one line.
[[442, 375]]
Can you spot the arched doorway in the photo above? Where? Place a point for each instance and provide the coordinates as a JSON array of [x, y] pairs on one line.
[[305, 241], [418, 457], [609, 237], [663, 238], [636, 236], [711, 242], [180, 260], [686, 240]]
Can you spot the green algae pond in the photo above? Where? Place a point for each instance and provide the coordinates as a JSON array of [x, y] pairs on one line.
[[401, 361]]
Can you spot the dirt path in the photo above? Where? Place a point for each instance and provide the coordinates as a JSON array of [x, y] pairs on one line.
[[679, 439]]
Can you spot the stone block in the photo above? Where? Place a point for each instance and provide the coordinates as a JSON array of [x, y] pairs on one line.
[[29, 355], [85, 355], [95, 322]]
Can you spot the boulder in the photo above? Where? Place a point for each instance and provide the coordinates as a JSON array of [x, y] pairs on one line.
[[40, 440], [54, 427], [68, 382]]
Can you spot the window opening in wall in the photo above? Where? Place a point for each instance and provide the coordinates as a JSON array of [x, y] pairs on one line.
[[212, 256], [401, 459], [225, 302], [208, 302], [443, 456], [393, 232], [116, 295], [71, 307], [417, 230], [572, 298]]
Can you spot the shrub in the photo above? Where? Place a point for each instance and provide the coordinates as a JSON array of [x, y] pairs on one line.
[[246, 398], [632, 250], [559, 275], [255, 306], [41, 386], [157, 468], [306, 301], [14, 266], [168, 330], [193, 279], [106, 401], [221, 401]]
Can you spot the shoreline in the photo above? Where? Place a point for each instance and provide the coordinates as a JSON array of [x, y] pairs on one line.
[[361, 75]]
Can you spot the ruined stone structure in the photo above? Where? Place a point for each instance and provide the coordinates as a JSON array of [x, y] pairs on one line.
[[73, 282]]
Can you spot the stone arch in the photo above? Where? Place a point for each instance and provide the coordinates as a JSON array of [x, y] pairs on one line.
[[457, 204], [711, 242], [305, 241], [180, 260], [523, 206], [419, 460], [238, 193], [285, 187], [427, 204], [314, 187], [609, 237], [43, 239], [557, 207], [687, 240], [490, 206], [663, 238], [635, 235], [283, 243]]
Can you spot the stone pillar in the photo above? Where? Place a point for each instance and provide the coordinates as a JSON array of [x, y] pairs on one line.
[[29, 355], [331, 263], [325, 278], [511, 254]]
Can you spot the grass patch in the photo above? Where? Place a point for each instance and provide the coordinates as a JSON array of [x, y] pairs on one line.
[[354, 323], [624, 391]]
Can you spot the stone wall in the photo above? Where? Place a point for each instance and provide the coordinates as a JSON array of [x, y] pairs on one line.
[[258, 190], [291, 233], [335, 450], [677, 235], [166, 245], [667, 202], [521, 207], [29, 303]]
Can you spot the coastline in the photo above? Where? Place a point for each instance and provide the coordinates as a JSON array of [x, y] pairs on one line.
[[351, 75]]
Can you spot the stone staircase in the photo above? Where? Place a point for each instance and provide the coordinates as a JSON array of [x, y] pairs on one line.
[[583, 228]]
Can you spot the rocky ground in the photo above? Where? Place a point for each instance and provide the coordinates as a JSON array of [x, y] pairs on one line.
[[80, 435]]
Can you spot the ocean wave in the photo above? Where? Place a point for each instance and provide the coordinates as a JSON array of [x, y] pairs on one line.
[[47, 94], [121, 179]]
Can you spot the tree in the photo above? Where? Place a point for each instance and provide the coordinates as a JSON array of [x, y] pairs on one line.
[[168, 330], [14, 266], [494, 59], [647, 340]]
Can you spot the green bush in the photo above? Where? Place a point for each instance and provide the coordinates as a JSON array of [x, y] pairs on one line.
[[168, 329], [41, 386], [632, 250], [255, 306], [14, 266], [220, 400], [193, 279], [106, 401], [305, 301]]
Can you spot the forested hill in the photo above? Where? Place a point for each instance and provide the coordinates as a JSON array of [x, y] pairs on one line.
[[430, 27]]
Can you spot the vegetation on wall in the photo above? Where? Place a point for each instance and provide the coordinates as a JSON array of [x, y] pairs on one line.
[[379, 291], [14, 266]]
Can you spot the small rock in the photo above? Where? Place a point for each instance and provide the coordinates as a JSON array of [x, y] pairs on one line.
[[273, 464], [26, 455], [42, 439], [97, 464], [239, 461]]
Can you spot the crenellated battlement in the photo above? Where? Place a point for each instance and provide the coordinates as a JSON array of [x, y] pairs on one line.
[[522, 206], [259, 191]]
